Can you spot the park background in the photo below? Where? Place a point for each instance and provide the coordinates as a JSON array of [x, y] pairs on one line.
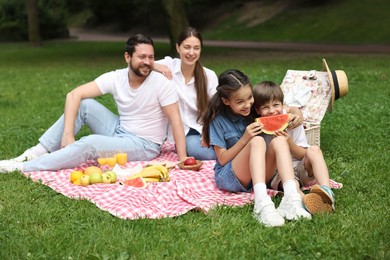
[[38, 223]]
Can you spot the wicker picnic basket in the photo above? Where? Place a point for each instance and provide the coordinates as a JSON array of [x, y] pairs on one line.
[[313, 135]]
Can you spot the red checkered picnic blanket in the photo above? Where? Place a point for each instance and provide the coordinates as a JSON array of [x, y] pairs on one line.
[[187, 190]]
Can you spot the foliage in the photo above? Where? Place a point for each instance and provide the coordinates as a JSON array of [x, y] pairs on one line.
[[13, 20], [38, 223], [346, 21]]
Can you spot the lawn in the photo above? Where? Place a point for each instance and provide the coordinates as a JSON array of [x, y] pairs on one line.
[[38, 223]]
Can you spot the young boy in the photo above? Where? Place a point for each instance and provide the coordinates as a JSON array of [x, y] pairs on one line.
[[309, 165]]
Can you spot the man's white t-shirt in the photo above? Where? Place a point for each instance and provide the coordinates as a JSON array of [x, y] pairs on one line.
[[140, 110], [187, 93]]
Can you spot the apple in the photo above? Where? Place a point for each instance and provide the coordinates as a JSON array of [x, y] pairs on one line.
[[190, 161], [112, 176], [106, 178], [95, 177], [84, 180]]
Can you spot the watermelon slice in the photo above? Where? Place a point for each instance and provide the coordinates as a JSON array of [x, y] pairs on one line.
[[138, 182], [273, 124]]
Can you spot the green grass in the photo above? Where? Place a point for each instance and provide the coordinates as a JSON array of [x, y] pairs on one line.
[[38, 223], [346, 21]]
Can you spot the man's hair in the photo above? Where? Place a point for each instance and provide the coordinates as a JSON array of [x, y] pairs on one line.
[[133, 41]]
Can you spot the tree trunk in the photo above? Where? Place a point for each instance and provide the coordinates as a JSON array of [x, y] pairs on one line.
[[34, 34], [176, 17]]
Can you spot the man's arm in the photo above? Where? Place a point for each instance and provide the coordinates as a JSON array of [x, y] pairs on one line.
[[72, 103], [173, 115]]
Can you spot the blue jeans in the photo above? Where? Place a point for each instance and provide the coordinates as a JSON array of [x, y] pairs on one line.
[[108, 136], [195, 149]]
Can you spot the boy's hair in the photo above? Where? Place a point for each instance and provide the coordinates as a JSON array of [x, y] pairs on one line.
[[265, 92], [133, 41], [228, 83]]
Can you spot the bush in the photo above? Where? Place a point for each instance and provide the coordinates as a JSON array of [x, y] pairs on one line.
[[13, 20]]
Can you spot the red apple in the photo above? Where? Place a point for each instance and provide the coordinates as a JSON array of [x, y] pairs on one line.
[[190, 161]]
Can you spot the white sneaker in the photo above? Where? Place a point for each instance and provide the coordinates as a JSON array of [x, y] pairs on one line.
[[292, 208], [26, 156], [8, 166], [266, 214]]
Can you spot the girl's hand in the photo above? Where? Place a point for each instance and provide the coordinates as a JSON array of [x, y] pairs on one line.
[[295, 121], [251, 131]]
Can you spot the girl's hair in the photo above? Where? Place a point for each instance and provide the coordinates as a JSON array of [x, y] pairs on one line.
[[133, 41], [265, 92], [199, 73], [228, 83]]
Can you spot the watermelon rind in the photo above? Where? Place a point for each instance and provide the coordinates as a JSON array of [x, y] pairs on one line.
[[280, 123]]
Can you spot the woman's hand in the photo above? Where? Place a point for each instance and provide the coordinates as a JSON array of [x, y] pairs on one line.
[[163, 69], [67, 139]]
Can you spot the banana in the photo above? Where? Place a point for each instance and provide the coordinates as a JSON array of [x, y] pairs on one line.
[[147, 179], [147, 173], [161, 168]]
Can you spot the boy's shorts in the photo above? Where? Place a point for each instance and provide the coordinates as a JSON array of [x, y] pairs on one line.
[[301, 175]]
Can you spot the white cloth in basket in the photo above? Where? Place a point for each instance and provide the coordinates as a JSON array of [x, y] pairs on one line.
[[315, 107]]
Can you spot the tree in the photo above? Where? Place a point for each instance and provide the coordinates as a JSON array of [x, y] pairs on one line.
[[34, 34], [176, 18]]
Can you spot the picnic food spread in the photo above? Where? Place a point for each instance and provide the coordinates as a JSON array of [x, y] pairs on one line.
[[92, 175], [272, 124]]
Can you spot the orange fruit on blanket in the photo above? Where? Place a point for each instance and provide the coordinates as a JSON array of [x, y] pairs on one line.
[[92, 169], [77, 182], [75, 175]]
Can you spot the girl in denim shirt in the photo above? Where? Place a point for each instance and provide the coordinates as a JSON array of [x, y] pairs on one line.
[[241, 152]]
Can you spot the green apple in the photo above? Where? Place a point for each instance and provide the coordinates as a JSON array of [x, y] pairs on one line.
[[95, 177], [84, 180], [106, 178], [112, 175]]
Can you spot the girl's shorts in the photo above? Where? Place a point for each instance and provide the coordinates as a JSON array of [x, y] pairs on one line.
[[226, 179], [301, 175]]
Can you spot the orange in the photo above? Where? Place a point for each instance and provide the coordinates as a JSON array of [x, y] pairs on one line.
[[77, 182], [92, 169], [75, 175]]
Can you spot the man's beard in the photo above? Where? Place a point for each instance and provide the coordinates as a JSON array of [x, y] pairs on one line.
[[137, 71]]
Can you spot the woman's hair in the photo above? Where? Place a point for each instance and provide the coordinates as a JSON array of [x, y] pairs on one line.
[[199, 74], [265, 92], [133, 41], [228, 83]]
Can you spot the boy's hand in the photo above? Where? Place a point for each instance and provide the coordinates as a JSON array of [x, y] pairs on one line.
[[295, 121], [285, 134]]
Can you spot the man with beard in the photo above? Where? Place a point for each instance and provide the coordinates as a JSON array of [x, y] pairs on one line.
[[145, 100]]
